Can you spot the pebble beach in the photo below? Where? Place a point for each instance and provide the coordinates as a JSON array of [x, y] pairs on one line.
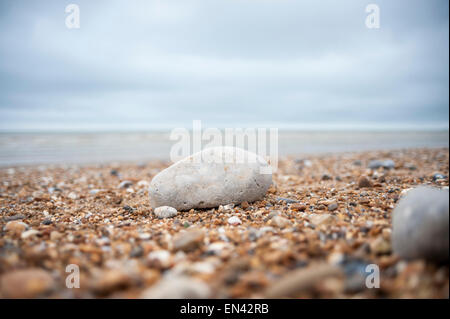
[[322, 222]]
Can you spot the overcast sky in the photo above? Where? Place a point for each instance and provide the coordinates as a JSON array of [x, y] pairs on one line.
[[278, 63]]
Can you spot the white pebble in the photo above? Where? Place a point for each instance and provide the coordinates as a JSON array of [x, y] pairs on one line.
[[210, 178], [72, 195], [165, 212], [143, 183], [29, 233], [234, 220], [162, 257]]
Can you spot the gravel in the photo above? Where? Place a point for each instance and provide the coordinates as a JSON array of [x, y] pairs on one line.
[[118, 249]]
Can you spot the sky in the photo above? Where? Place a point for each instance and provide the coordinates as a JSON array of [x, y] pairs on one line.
[[147, 64]]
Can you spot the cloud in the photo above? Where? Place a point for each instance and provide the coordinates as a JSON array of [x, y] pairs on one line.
[[165, 63]]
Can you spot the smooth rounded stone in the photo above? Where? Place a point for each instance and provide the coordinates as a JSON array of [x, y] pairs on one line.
[[15, 226], [110, 280], [165, 212], [322, 219], [94, 191], [234, 220], [438, 176], [364, 182], [72, 195], [380, 246], [188, 240], [160, 259], [26, 283], [333, 206], [125, 184], [177, 287], [280, 221], [217, 248], [29, 233], [114, 172], [420, 225], [54, 235], [210, 178], [301, 280]]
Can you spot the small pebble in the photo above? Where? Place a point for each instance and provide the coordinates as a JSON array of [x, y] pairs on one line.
[[125, 184], [438, 176], [280, 222], [380, 246], [110, 280], [287, 200], [72, 195], [26, 283], [301, 280], [322, 219], [364, 182], [47, 222], [161, 259], [234, 220], [333, 206], [299, 207], [29, 233], [188, 240], [114, 172], [15, 226], [54, 235], [165, 212]]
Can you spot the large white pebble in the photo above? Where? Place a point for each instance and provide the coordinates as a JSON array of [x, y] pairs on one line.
[[215, 176]]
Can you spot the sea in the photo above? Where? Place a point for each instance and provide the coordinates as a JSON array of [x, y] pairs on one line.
[[32, 148]]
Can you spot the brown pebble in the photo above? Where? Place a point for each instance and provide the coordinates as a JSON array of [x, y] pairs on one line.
[[301, 280], [322, 219], [29, 233], [15, 226], [298, 207], [27, 283], [332, 206], [364, 182], [280, 221], [111, 280], [188, 240], [380, 246], [244, 205], [54, 235]]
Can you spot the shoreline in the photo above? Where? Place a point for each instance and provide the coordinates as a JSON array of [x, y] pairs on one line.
[[167, 161], [25, 149]]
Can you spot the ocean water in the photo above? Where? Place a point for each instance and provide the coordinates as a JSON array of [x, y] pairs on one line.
[[71, 148]]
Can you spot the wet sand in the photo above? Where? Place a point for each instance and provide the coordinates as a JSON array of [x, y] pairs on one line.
[[315, 228]]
